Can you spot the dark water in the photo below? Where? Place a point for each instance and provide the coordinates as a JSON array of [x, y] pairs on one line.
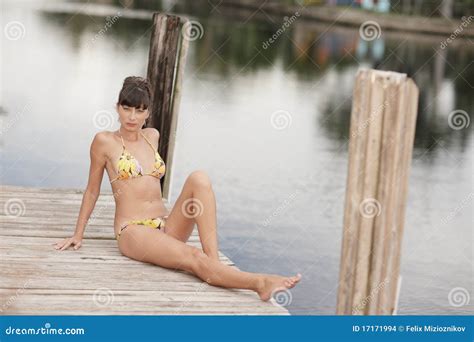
[[280, 192]]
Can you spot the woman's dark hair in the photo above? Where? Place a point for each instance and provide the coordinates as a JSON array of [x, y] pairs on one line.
[[136, 92]]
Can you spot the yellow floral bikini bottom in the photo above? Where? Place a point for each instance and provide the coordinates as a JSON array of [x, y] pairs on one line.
[[157, 223]]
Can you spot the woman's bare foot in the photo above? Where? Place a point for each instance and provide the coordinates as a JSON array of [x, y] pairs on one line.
[[273, 283]]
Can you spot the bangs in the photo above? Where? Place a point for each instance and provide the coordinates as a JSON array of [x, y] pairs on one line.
[[134, 97]]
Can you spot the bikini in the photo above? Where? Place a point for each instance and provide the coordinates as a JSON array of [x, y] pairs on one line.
[[128, 167]]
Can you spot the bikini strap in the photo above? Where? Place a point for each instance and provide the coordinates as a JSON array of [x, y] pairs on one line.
[[149, 143], [123, 144]]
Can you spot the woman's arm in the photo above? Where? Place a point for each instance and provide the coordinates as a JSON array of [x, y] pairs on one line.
[[91, 193]]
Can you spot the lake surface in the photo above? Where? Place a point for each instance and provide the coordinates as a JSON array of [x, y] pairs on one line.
[[59, 75]]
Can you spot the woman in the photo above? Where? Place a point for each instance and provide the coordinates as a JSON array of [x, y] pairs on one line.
[[143, 228]]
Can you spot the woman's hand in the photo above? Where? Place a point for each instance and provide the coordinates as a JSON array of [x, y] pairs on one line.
[[75, 241]]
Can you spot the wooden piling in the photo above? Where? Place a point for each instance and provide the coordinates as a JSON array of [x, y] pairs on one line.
[[382, 131], [166, 62]]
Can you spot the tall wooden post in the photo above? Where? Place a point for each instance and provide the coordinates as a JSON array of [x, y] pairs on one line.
[[166, 61], [382, 132]]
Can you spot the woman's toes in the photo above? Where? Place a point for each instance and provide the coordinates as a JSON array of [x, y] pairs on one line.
[[294, 280]]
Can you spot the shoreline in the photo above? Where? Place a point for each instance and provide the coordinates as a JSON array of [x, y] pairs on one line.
[[346, 16]]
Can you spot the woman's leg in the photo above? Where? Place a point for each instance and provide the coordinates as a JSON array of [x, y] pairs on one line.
[[195, 204], [153, 246]]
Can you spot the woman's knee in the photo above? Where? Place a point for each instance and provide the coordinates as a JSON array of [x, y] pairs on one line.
[[198, 261], [199, 178]]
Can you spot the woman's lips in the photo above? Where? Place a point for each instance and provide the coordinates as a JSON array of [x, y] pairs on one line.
[[131, 124]]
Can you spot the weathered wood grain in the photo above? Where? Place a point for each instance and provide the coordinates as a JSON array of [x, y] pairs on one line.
[[382, 131], [96, 279]]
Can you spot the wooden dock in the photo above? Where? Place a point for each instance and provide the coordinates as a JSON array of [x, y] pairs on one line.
[[96, 279]]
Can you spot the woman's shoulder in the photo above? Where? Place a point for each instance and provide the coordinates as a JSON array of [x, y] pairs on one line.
[[151, 132], [104, 136], [152, 135], [102, 140]]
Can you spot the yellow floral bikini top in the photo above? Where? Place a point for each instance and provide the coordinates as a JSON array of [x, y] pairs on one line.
[[129, 167]]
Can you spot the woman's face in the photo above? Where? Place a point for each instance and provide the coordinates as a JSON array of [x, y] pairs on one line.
[[132, 118]]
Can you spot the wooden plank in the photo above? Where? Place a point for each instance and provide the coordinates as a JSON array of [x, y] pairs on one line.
[[168, 297], [26, 189], [354, 188], [35, 247], [383, 221], [106, 301], [369, 201], [409, 107], [60, 230]]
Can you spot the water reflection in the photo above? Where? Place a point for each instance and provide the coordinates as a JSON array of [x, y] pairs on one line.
[[308, 52]]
